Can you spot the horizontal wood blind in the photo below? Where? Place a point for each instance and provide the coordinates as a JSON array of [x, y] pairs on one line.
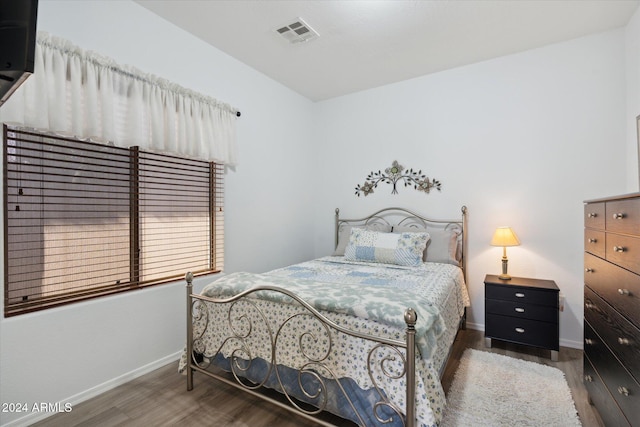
[[85, 219], [174, 216]]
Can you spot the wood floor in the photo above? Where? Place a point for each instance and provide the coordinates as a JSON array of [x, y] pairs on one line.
[[160, 397]]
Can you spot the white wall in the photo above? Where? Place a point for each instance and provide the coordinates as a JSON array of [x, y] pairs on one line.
[[70, 353], [521, 140], [632, 39]]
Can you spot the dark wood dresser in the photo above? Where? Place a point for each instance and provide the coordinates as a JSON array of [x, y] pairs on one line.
[[612, 307], [523, 311]]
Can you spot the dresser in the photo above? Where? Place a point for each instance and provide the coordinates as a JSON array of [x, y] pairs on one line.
[[523, 311], [612, 307]]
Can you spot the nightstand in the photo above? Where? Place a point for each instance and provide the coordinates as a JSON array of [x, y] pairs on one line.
[[522, 311]]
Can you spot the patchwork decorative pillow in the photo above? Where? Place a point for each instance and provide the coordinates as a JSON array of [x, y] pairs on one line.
[[345, 235], [388, 248], [443, 245]]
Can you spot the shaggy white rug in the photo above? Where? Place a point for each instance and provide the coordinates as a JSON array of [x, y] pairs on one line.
[[494, 390]]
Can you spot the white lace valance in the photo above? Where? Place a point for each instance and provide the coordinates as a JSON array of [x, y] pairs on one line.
[[85, 94]]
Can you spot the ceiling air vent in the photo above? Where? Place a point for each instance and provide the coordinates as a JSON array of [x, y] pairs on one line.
[[297, 32]]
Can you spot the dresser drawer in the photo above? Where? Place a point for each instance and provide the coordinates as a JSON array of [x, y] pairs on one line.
[[522, 310], [617, 333], [623, 251], [593, 344], [594, 215], [522, 331], [594, 242], [522, 294], [619, 287], [599, 395], [624, 389], [623, 216]]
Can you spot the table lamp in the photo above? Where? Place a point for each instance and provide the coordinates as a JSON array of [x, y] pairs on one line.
[[504, 236]]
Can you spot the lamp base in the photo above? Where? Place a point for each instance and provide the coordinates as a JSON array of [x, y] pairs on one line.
[[505, 263]]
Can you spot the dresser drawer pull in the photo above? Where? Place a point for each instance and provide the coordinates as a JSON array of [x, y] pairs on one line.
[[589, 305], [588, 270], [520, 309], [618, 215], [593, 240], [519, 294], [624, 341], [619, 249], [588, 378], [592, 215], [520, 330], [624, 292], [623, 390], [588, 341]]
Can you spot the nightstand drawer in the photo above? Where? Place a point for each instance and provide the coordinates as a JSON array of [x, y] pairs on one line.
[[522, 310], [522, 331], [521, 294]]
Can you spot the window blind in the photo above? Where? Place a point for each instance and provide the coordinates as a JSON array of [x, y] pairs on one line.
[[85, 219]]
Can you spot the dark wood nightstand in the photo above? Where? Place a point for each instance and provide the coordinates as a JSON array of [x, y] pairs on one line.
[[523, 311]]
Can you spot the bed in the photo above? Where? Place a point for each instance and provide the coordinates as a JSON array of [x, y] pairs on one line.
[[363, 333]]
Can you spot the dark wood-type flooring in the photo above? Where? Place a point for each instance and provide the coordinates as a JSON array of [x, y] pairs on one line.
[[160, 398]]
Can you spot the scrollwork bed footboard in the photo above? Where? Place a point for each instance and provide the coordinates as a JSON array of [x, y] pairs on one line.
[[293, 348]]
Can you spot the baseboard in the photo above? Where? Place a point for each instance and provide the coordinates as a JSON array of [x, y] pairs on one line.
[[572, 344], [475, 326], [563, 342], [97, 390]]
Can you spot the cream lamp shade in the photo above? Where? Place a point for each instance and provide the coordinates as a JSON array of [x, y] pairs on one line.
[[504, 236]]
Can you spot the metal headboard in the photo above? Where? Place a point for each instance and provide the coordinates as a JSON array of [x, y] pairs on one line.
[[390, 217]]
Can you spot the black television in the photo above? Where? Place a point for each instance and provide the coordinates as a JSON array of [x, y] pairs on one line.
[[17, 44]]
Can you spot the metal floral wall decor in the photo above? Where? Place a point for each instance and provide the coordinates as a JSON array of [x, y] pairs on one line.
[[394, 174]]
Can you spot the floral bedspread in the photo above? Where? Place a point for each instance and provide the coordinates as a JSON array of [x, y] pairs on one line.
[[371, 299], [442, 285]]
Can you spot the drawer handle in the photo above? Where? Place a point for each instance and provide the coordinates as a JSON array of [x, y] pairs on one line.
[[519, 294], [520, 309], [588, 341], [618, 215], [624, 292], [593, 240], [624, 341], [588, 378], [619, 249], [589, 305], [623, 390], [520, 330], [592, 215], [588, 270]]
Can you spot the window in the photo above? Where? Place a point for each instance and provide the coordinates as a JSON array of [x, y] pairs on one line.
[[85, 219]]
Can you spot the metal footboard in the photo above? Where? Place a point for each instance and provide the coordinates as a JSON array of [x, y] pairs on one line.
[[314, 345]]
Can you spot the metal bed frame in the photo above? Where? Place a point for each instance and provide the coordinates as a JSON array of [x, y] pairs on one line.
[[380, 353]]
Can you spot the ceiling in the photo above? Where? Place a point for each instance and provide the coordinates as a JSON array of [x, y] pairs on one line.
[[366, 44]]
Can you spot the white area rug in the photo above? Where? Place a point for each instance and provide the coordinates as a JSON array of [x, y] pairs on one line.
[[495, 390]]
